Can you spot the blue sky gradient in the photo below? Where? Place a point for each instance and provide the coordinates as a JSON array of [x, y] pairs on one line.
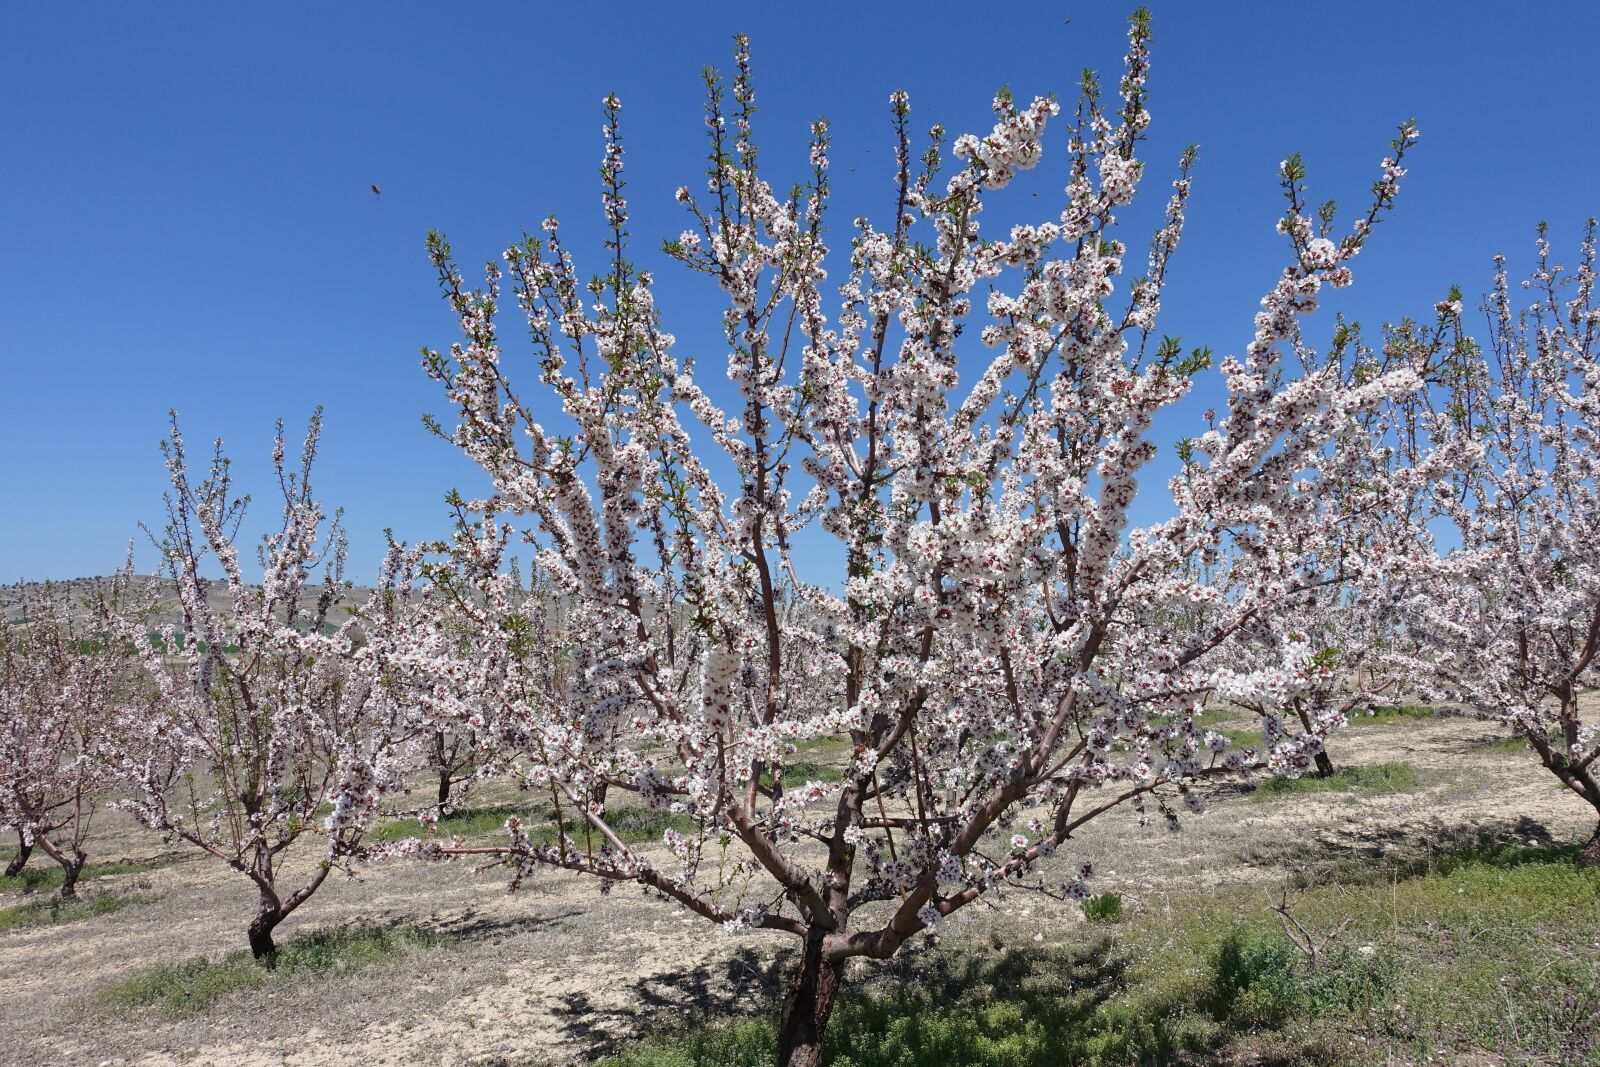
[[187, 219]]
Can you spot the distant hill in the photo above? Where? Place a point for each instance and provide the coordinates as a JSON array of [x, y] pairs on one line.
[[167, 606]]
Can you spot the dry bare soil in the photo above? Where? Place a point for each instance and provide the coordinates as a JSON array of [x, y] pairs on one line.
[[557, 973]]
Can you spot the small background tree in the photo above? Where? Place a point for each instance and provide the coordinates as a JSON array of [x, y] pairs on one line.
[[69, 688], [273, 715], [1338, 647], [1512, 618]]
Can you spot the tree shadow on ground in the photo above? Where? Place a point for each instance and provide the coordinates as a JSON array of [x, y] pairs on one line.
[[472, 925], [1386, 850], [1379, 842], [676, 1000], [942, 1003]]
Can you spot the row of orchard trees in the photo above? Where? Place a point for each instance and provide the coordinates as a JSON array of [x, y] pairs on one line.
[[264, 712], [1002, 654]]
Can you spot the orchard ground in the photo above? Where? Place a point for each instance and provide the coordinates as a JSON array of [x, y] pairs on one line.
[[1481, 945]]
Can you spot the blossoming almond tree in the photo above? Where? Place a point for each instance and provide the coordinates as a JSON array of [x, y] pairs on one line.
[[474, 638], [273, 718], [463, 597], [455, 758], [1304, 672], [995, 654], [68, 688], [1514, 616], [1333, 649]]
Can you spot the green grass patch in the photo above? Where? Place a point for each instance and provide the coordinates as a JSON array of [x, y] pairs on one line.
[[728, 1044], [1103, 908], [1500, 951], [192, 985], [1390, 712], [1244, 737], [1514, 743], [1250, 736], [841, 747], [54, 910], [1438, 864], [1259, 980], [1477, 950], [471, 822], [1553, 860], [1377, 778], [44, 873], [636, 826], [633, 825], [803, 771]]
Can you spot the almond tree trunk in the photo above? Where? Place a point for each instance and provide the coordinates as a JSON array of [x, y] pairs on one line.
[[262, 947], [71, 866], [1581, 778], [807, 1007], [273, 908], [69, 883], [1590, 856], [20, 860], [1324, 761]]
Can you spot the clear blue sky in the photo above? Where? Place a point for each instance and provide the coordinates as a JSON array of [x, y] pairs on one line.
[[186, 219]]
